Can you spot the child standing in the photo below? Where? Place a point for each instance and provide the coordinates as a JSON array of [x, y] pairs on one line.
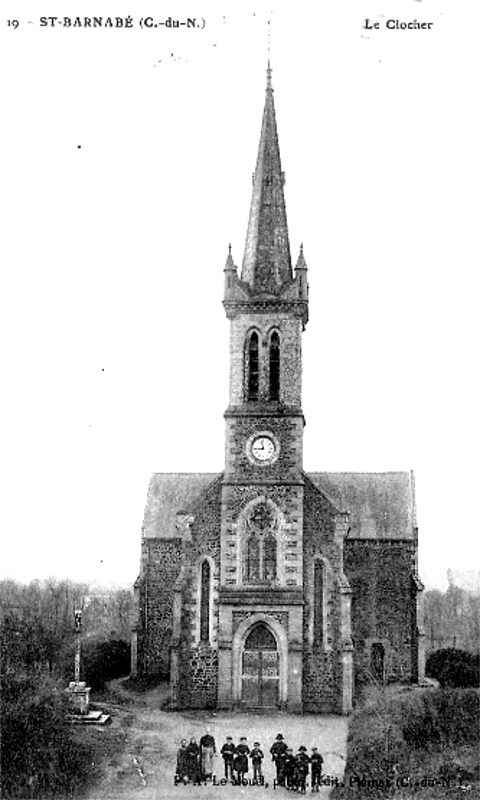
[[289, 768], [228, 752], [257, 756], [301, 769], [317, 762]]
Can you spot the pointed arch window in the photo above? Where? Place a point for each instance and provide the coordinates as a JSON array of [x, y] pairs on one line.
[[274, 354], [260, 556], [253, 367], [205, 602], [318, 585]]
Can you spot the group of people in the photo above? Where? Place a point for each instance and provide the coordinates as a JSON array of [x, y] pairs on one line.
[[292, 770], [195, 762], [195, 759]]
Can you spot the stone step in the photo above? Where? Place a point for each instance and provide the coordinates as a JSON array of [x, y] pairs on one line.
[[92, 718]]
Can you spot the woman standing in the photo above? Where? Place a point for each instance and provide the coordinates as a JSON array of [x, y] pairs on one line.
[[240, 762], [182, 761], [193, 760]]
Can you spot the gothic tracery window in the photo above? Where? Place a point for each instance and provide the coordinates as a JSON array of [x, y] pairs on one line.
[[260, 557], [274, 366], [253, 367], [205, 602]]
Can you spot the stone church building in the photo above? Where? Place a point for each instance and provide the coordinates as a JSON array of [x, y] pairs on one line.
[[265, 586]]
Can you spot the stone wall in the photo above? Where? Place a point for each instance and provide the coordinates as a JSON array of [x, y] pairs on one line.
[[320, 682], [198, 668], [288, 432], [198, 686], [322, 675], [160, 568], [290, 328], [383, 606]]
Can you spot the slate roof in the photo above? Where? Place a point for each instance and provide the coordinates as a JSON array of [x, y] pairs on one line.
[[266, 263], [380, 504], [168, 493]]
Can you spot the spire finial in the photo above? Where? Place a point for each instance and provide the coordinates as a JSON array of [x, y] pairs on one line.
[[229, 264], [301, 263], [269, 69]]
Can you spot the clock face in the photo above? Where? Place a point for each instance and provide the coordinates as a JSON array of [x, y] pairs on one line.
[[263, 448]]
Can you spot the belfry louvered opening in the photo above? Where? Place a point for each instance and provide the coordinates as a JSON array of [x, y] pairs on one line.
[[274, 356], [253, 367]]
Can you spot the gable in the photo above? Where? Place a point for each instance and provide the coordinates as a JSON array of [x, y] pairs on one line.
[[380, 504]]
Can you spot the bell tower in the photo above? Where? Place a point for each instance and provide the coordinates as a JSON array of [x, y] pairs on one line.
[[261, 575]]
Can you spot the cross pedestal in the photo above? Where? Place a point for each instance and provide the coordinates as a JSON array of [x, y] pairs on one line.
[[79, 694]]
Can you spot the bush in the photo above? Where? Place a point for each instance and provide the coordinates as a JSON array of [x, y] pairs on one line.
[[101, 660], [40, 757], [104, 661], [392, 728], [444, 716], [423, 719], [454, 668]]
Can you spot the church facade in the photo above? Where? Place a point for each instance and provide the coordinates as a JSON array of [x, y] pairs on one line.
[[264, 586]]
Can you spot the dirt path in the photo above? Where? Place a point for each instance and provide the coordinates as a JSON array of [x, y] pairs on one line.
[[145, 770]]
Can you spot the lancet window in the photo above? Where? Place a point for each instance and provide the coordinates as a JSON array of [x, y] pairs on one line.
[[318, 587], [205, 601]]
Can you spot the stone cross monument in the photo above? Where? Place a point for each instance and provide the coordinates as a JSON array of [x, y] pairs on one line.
[[78, 690]]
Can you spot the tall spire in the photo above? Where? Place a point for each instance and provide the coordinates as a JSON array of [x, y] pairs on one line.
[[267, 265]]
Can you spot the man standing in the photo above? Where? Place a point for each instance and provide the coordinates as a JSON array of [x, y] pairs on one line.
[[278, 750], [207, 751]]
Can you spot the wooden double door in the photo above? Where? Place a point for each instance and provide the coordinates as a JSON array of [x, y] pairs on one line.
[[260, 669]]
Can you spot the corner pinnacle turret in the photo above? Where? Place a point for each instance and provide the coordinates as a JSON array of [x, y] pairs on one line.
[[267, 265]]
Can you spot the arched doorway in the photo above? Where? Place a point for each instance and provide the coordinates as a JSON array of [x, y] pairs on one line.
[[260, 669]]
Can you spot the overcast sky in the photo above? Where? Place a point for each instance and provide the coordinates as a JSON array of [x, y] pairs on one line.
[[128, 157]]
